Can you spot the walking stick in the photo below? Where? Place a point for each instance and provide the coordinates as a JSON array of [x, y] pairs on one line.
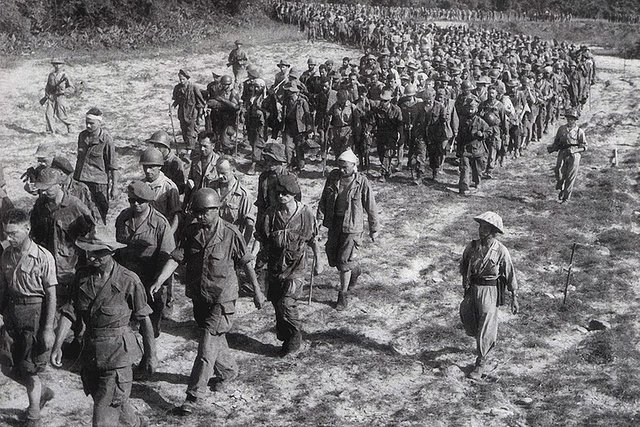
[[313, 268], [566, 285], [173, 129]]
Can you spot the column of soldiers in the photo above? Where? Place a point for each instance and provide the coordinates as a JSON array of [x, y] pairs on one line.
[[427, 85], [484, 95]]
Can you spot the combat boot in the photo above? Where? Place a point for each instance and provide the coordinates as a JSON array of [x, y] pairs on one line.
[[342, 301], [355, 274]]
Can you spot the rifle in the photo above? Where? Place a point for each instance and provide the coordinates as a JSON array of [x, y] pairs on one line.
[[173, 129], [236, 137], [45, 98], [566, 285]]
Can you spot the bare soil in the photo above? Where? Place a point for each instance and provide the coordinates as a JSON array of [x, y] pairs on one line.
[[398, 355]]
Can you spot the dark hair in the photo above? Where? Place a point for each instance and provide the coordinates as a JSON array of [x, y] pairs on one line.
[[206, 134], [16, 216]]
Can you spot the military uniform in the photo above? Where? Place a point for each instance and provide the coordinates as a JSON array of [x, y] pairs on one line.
[[188, 98], [210, 255], [472, 151], [110, 348], [149, 245]]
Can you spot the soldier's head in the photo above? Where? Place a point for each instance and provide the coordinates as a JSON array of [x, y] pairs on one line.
[[345, 61], [152, 161], [342, 96], [58, 64], [326, 85], [183, 76], [17, 227], [322, 69], [347, 162], [206, 142], [99, 248], [48, 183], [205, 205], [286, 188], [160, 141], [226, 167], [93, 120], [44, 155], [311, 64], [140, 194], [492, 93], [226, 81], [274, 156], [489, 225]]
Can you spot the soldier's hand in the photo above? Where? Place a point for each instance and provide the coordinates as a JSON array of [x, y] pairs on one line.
[[48, 338], [373, 235], [148, 365], [153, 289], [259, 299], [515, 307], [56, 357]]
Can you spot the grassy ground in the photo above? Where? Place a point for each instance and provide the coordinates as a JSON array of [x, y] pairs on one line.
[[398, 355]]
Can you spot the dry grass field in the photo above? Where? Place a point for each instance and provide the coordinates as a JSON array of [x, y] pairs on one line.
[[398, 355]]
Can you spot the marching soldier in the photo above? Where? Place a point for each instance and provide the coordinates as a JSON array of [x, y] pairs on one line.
[[106, 297], [387, 118], [209, 248], [58, 85], [190, 103]]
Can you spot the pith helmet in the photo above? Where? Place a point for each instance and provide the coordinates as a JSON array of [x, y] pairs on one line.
[[491, 218]]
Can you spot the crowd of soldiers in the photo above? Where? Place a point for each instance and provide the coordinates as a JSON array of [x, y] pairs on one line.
[[427, 92]]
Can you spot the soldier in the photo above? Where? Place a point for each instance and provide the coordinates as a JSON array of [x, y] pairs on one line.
[[253, 97], [172, 167], [148, 240], [493, 112], [28, 306], [203, 171], [487, 271], [410, 108], [210, 247], [57, 220], [235, 202], [424, 138], [471, 150], [96, 164], [238, 62], [44, 157], [58, 85], [442, 131], [73, 187], [288, 228], [324, 101], [569, 142], [342, 122], [298, 122], [106, 297], [190, 103], [283, 74], [346, 196], [167, 199], [223, 109], [387, 118], [520, 107]]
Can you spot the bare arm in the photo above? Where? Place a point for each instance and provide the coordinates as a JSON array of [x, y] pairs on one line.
[[258, 296], [150, 360], [64, 325], [167, 270]]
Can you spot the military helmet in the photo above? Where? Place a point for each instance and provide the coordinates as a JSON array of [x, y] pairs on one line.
[[159, 137], [152, 157], [491, 118], [467, 85], [226, 79], [491, 218], [205, 198], [311, 61]]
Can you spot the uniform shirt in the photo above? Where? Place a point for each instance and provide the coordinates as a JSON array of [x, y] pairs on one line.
[[81, 191], [57, 84], [267, 191], [56, 227], [96, 157], [148, 245], [360, 199], [27, 275], [106, 305], [341, 115], [235, 207], [167, 200], [210, 255], [487, 263], [173, 169], [286, 240]]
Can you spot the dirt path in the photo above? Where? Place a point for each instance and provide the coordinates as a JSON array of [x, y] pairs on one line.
[[398, 355]]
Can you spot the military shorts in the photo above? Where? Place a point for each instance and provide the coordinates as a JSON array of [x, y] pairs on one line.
[[20, 345], [342, 248]]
